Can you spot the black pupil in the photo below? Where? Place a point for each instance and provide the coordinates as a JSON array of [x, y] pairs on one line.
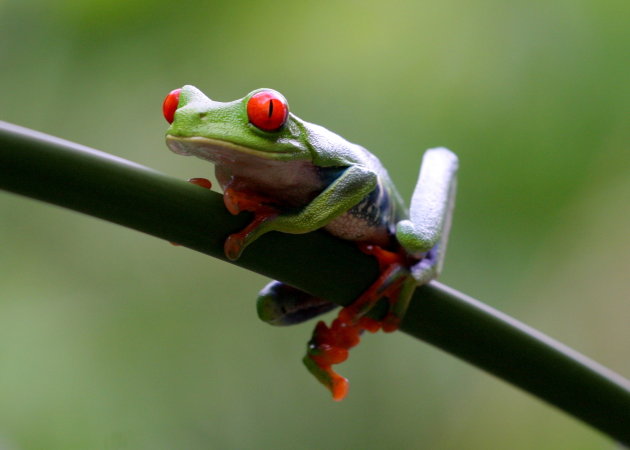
[[270, 108]]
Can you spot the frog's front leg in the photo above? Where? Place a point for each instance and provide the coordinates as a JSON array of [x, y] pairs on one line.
[[341, 195]]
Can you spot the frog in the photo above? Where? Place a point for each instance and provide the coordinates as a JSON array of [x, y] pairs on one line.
[[298, 177]]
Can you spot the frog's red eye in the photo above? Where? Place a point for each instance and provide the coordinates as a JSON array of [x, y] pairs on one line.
[[170, 105], [267, 110]]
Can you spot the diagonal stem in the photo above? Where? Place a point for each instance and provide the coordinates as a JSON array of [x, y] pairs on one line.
[[86, 180]]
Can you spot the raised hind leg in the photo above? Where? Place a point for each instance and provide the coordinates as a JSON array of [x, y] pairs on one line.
[[423, 238], [426, 232]]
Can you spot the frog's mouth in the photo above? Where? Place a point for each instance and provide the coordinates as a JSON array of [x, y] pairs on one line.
[[217, 151]]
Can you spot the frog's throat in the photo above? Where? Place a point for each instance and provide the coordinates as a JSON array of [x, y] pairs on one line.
[[211, 149]]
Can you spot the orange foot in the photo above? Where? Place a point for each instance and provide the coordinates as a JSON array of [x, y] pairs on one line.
[[330, 345], [201, 182], [237, 201]]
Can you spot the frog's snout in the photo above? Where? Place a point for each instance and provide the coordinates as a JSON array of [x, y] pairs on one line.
[[177, 146]]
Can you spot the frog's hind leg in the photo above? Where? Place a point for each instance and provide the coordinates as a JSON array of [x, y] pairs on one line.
[[423, 239], [330, 345], [281, 304], [394, 283], [425, 235]]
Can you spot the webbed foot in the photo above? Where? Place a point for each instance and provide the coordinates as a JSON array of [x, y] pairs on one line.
[[330, 345], [237, 201]]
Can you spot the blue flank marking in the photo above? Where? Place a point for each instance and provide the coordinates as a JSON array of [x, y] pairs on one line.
[[374, 209]]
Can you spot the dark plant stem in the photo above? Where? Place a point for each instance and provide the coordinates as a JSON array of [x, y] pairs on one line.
[[95, 183]]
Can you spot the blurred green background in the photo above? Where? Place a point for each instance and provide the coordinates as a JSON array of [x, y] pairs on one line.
[[113, 339]]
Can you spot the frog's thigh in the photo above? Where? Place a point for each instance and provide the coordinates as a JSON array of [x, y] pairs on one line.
[[426, 234], [281, 304]]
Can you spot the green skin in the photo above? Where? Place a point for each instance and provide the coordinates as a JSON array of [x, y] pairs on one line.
[[316, 179]]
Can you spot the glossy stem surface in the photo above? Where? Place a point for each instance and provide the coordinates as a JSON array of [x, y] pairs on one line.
[[95, 183]]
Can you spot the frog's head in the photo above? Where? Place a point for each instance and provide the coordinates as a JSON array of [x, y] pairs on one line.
[[257, 125]]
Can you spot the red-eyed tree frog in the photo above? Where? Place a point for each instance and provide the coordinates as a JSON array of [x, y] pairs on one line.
[[297, 177]]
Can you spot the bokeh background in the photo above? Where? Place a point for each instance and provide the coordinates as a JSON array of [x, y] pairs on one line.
[[113, 339]]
